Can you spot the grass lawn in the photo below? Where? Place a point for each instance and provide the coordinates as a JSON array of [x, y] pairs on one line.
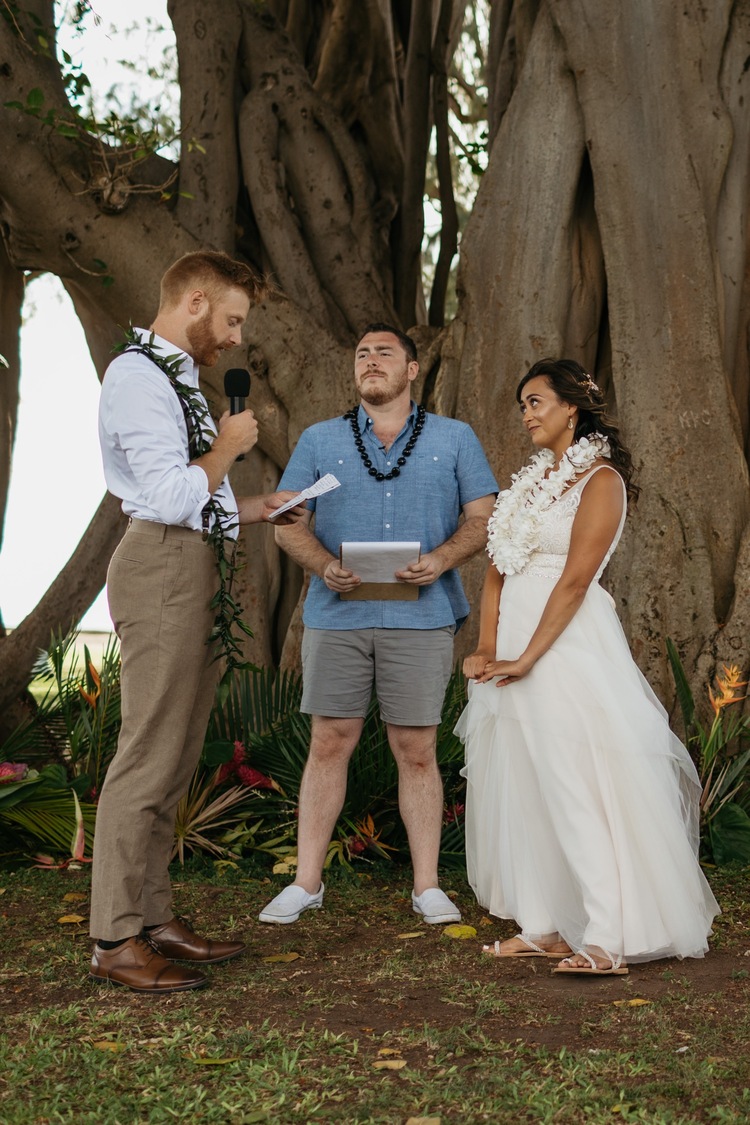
[[361, 1013]]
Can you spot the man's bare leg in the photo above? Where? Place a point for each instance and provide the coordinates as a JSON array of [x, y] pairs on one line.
[[420, 798], [322, 793]]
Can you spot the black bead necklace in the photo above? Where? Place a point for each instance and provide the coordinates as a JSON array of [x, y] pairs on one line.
[[351, 416]]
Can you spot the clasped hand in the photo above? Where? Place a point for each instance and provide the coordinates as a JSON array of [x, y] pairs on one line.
[[482, 668]]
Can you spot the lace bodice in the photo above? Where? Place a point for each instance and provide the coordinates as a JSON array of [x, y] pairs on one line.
[[548, 559]]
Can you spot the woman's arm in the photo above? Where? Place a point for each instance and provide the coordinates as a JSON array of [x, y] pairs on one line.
[[489, 609], [594, 528]]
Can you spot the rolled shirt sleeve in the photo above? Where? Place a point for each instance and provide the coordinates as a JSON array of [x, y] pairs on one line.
[[144, 444], [446, 470]]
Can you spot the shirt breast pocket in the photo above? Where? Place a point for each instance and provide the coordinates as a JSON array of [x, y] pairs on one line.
[[435, 473], [348, 470]]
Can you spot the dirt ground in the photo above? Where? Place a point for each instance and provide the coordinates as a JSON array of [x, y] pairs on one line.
[[359, 969]]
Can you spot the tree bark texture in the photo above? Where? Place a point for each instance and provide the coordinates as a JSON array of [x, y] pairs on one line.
[[611, 226]]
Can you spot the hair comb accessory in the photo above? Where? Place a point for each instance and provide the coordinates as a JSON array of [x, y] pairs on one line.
[[589, 383]]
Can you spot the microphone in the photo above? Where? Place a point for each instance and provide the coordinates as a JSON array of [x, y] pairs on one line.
[[237, 388]]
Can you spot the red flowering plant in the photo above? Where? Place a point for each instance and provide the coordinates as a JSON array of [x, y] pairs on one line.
[[453, 813], [213, 815], [245, 774], [365, 838]]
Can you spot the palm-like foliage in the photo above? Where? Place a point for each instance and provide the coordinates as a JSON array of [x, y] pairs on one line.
[[77, 720], [45, 807], [203, 816], [262, 712]]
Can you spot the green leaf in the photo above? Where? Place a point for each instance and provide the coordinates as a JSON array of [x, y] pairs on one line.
[[729, 834], [217, 753], [16, 791], [35, 98], [684, 694]]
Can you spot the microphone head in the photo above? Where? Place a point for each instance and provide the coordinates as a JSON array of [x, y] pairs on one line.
[[237, 382]]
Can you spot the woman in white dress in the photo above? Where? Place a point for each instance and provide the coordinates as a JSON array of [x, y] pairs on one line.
[[582, 806]]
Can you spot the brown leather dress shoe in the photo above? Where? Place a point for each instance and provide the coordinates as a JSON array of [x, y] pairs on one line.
[[178, 940], [139, 965]]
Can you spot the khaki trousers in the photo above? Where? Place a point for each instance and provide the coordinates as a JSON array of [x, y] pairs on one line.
[[160, 584]]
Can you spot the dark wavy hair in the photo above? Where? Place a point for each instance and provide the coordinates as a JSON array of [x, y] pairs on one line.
[[572, 384]]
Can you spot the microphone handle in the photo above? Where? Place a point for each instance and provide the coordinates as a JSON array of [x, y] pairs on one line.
[[236, 406]]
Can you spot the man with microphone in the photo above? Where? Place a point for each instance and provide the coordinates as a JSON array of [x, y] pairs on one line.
[[165, 460]]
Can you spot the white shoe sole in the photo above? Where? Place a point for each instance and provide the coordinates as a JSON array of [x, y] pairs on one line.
[[287, 919], [438, 919]]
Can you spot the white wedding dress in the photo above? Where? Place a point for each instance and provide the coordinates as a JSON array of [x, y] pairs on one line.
[[582, 806]]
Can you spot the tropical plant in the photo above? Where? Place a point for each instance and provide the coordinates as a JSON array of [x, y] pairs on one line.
[[219, 820], [77, 720], [722, 756], [59, 754], [261, 712], [43, 806]]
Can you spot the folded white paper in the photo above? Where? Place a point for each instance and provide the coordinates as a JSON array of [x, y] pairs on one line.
[[325, 484]]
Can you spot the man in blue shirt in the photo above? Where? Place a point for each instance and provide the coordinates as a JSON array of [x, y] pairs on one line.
[[405, 476]]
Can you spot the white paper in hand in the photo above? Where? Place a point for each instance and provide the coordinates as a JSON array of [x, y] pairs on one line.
[[325, 484]]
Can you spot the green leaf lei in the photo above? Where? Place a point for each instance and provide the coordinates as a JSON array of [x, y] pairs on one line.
[[228, 617]]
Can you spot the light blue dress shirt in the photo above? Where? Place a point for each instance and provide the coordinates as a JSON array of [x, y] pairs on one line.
[[446, 470]]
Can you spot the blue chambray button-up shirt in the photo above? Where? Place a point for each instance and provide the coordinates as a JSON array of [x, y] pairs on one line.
[[446, 470]]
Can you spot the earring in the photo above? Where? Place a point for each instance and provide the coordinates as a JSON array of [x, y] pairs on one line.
[[570, 423]]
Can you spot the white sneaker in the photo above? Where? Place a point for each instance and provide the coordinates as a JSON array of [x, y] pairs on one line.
[[435, 907], [290, 903]]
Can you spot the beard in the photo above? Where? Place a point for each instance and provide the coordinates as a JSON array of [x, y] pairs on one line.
[[382, 393], [204, 344]]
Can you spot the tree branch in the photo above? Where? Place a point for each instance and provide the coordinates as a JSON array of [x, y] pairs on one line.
[[11, 302], [408, 227], [207, 51], [448, 212]]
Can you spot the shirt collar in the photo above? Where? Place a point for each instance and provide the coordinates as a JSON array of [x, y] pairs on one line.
[[366, 423], [189, 370]]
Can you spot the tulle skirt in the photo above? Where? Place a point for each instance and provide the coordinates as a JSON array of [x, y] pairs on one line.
[[582, 805]]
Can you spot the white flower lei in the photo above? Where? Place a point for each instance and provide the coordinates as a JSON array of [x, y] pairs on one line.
[[513, 528]]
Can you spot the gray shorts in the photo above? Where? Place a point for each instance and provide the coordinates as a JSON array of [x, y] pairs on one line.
[[409, 668]]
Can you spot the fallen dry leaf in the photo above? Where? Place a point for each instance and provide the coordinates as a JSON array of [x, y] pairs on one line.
[[281, 957], [107, 1045], [74, 896], [406, 937], [385, 1051], [71, 919], [285, 867], [389, 1064], [634, 1003], [423, 1120], [460, 932], [482, 922]]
